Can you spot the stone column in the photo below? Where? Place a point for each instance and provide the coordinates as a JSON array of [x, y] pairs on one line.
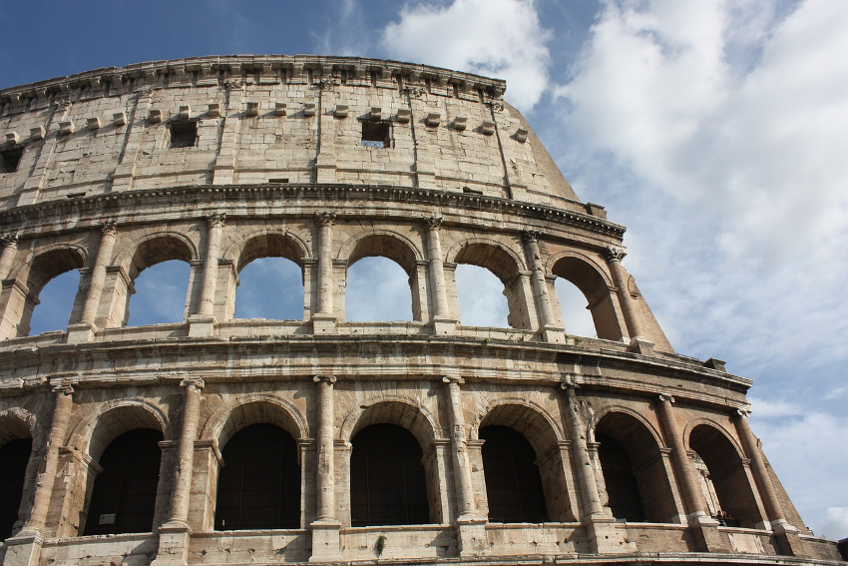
[[442, 322], [175, 533], [544, 309], [10, 249], [599, 523], [85, 329], [325, 530], [703, 526], [203, 323], [785, 533], [324, 320], [628, 305], [24, 549]]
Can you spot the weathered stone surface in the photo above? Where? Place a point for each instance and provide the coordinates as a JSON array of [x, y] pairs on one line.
[[278, 169]]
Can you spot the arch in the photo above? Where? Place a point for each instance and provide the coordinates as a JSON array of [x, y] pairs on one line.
[[398, 410], [632, 465], [250, 409], [145, 251], [543, 434], [17, 424], [595, 285], [728, 472], [17, 468], [261, 291], [266, 244], [388, 244], [98, 428], [620, 409]]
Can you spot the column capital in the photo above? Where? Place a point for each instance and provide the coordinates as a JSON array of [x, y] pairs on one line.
[[192, 383], [530, 236], [330, 379], [109, 227], [324, 219], [665, 397], [432, 223], [9, 239], [456, 380], [216, 220], [743, 411], [614, 253], [64, 388]]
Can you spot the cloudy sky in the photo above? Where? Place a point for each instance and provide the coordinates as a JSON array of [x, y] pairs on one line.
[[715, 130]]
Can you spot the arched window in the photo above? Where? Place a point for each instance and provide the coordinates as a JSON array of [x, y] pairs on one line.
[[634, 473], [125, 491], [625, 499], [260, 483], [576, 316], [481, 298], [590, 282], [14, 457], [55, 302], [271, 288], [387, 481], [727, 477], [161, 294], [472, 286], [377, 289], [512, 479]]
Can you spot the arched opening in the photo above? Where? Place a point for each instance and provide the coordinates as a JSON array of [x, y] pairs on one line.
[[271, 288], [596, 291], [521, 453], [472, 284], [512, 478], [53, 286], [382, 281], [260, 484], [633, 470], [159, 273], [727, 474], [387, 478], [481, 298], [271, 282], [125, 491], [576, 317], [377, 289], [14, 458]]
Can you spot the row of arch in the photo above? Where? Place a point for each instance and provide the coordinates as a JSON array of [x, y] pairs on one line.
[[393, 460], [27, 273]]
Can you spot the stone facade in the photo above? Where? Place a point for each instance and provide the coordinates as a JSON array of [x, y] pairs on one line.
[[219, 161]]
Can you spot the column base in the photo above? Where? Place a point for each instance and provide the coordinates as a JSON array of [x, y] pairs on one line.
[[787, 538], [605, 537], [324, 324], [705, 531], [81, 333], [444, 326], [641, 345], [325, 542], [202, 326], [23, 549], [473, 541], [173, 549], [553, 334]]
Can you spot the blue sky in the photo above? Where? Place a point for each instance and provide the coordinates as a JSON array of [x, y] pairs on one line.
[[715, 130]]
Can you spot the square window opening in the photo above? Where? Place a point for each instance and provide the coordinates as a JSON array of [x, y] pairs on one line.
[[375, 134], [183, 134], [10, 159]]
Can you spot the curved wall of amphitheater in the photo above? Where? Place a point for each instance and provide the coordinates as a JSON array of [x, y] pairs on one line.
[[324, 161]]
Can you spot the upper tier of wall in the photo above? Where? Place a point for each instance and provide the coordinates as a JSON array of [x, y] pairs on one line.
[[270, 119]]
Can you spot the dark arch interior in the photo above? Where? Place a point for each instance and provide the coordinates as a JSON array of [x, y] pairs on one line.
[[512, 479], [14, 457], [625, 499], [260, 483], [388, 481], [125, 492]]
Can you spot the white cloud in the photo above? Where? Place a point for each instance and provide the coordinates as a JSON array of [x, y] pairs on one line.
[[480, 295], [496, 38]]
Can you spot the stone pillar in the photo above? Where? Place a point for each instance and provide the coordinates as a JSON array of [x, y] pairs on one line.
[[628, 305], [703, 526], [325, 530], [85, 329], [544, 309], [24, 549], [471, 527], [786, 534], [175, 533], [442, 322], [599, 523], [324, 320], [203, 323], [10, 249]]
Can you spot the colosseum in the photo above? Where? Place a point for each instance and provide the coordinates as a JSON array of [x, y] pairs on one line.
[[224, 440]]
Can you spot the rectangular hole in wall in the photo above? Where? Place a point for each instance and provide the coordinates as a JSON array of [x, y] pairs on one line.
[[9, 160], [183, 134], [375, 134]]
